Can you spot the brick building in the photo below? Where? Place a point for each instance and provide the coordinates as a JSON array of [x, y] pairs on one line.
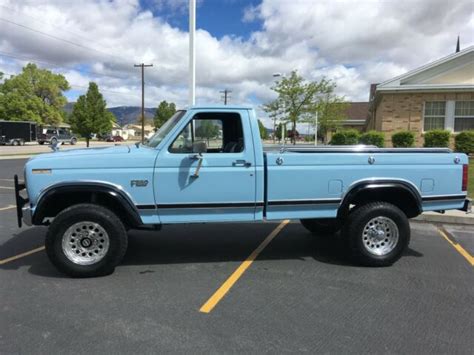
[[439, 95]]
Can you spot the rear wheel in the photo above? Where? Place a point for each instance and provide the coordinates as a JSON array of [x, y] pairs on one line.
[[86, 240], [16, 142], [73, 141], [321, 226], [41, 143], [54, 141], [378, 233]]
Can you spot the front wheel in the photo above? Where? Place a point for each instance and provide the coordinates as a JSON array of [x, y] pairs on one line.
[[378, 233], [86, 240], [73, 141]]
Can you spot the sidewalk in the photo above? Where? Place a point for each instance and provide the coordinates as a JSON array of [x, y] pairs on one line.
[[450, 217]]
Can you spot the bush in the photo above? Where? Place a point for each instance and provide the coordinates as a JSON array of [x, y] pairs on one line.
[[345, 137], [437, 138], [308, 138], [373, 138], [464, 142], [403, 139]]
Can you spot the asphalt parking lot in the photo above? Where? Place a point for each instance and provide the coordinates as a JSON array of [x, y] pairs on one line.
[[300, 294]]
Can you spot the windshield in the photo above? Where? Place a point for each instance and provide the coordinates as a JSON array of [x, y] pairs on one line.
[[165, 129]]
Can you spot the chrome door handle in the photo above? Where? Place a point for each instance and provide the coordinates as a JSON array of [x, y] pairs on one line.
[[242, 163]]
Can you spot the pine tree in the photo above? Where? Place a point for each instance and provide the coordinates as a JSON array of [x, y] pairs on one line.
[[89, 114]]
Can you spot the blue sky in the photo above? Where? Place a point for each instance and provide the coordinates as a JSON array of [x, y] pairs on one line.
[[218, 17]]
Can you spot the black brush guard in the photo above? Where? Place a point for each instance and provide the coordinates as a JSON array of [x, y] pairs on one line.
[[20, 200]]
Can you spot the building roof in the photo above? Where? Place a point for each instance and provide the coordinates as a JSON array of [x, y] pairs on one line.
[[357, 111], [454, 72]]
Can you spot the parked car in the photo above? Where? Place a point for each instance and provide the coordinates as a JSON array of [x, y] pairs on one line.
[[114, 139], [56, 135], [17, 132], [90, 198]]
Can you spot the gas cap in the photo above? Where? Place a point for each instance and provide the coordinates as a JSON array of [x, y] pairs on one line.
[[279, 160]]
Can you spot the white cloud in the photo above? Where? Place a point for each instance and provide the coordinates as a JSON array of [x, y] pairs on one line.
[[353, 42]]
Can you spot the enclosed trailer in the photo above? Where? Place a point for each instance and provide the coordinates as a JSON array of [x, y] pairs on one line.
[[17, 132]]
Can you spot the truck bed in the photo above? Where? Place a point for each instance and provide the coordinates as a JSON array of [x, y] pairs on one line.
[[311, 182]]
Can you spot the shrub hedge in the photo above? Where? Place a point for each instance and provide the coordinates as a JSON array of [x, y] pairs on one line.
[[373, 138], [437, 138], [403, 139], [464, 142], [345, 137]]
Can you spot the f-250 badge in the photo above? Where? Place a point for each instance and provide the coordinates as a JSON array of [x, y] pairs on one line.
[[138, 183]]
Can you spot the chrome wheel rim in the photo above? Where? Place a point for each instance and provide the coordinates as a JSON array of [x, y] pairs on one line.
[[85, 243], [380, 236]]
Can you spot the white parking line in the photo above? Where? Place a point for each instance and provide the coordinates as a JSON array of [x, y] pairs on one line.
[[7, 208], [7, 188], [11, 180]]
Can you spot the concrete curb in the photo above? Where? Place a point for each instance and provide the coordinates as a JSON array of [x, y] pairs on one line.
[[459, 218]]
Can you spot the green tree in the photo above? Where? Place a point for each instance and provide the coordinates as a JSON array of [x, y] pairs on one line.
[[331, 112], [207, 130], [163, 112], [89, 114], [263, 130], [35, 95], [299, 100]]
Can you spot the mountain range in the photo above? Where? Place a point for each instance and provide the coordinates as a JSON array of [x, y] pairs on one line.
[[123, 114]]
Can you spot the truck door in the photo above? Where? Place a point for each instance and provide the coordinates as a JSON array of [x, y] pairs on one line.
[[216, 185]]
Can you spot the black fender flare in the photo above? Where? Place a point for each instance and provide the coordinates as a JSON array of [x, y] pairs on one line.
[[379, 185], [113, 191]]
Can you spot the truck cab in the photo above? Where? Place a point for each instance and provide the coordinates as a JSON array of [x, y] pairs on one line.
[[208, 164]]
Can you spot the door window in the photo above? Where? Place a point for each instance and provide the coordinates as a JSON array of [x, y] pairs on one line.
[[222, 133]]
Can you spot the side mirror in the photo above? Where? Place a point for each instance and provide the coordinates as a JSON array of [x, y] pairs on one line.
[[199, 147]]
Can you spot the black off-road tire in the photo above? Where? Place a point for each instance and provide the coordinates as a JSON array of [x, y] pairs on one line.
[[54, 141], [321, 226], [358, 220], [41, 143], [118, 240]]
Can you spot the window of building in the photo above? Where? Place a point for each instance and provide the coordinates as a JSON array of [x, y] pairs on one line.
[[222, 133], [464, 116], [434, 115]]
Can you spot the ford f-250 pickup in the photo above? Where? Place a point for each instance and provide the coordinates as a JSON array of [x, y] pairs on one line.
[[207, 164]]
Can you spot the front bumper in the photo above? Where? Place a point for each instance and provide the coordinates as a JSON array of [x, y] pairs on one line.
[[23, 211], [467, 206]]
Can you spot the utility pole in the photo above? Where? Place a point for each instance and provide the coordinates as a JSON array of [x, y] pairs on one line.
[[226, 95], [192, 52], [143, 66]]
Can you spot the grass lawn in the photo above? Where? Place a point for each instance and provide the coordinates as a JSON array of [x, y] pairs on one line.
[[470, 187]]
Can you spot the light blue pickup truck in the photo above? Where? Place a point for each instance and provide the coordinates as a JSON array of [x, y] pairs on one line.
[[207, 164]]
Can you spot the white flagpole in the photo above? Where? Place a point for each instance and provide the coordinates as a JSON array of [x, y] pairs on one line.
[[192, 52]]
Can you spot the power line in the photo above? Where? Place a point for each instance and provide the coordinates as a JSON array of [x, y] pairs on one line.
[[58, 38], [86, 87], [47, 63], [47, 23], [143, 66], [226, 94]]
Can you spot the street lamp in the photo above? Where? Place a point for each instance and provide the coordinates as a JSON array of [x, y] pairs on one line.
[[283, 125]]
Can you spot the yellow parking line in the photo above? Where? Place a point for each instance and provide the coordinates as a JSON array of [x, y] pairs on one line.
[[7, 188], [19, 256], [227, 285], [458, 247], [7, 208]]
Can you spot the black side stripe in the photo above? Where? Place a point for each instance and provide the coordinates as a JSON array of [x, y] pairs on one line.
[[443, 198], [202, 205], [305, 202]]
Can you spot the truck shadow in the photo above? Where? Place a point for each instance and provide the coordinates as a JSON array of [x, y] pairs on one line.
[[196, 244]]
